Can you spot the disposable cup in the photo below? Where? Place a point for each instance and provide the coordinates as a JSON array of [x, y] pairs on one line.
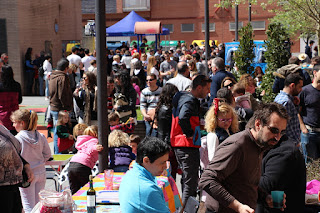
[[108, 179], [277, 197]]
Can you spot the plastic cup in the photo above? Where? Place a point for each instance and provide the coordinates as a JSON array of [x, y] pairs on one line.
[[108, 179], [277, 197]]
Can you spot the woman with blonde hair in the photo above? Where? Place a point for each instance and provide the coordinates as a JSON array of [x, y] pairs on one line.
[[120, 153], [152, 62], [192, 67], [221, 121]]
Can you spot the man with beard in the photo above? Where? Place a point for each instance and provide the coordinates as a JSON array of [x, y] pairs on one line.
[[232, 177], [292, 87]]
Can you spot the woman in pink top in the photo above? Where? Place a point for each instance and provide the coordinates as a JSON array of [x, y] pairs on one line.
[[85, 159]]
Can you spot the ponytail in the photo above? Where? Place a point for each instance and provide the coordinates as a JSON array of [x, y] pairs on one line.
[[30, 118]]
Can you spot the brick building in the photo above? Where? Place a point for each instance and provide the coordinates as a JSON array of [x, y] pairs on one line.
[[185, 18], [43, 25]]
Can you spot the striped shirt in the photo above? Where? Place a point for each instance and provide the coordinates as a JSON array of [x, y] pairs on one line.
[[293, 127], [149, 99]]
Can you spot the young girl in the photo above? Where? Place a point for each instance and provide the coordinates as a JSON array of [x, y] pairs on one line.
[[77, 130], [221, 122], [35, 150], [64, 132], [85, 159], [120, 152]]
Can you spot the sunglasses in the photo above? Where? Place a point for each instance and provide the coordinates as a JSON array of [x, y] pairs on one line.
[[150, 80], [84, 78], [225, 120], [276, 131], [229, 85]]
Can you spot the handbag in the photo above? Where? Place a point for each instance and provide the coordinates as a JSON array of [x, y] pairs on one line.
[[24, 183]]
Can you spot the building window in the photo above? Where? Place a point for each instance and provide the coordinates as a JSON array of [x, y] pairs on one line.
[[258, 25], [232, 25], [136, 5], [212, 27], [187, 27], [169, 27]]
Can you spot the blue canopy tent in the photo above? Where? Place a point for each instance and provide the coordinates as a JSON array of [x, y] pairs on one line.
[[125, 27]]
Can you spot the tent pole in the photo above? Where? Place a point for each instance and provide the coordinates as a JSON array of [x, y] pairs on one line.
[[138, 46]]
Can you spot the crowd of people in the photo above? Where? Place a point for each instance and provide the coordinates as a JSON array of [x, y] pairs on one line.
[[213, 128]]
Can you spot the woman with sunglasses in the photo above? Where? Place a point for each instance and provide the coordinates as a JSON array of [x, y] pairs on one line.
[[86, 99], [228, 82]]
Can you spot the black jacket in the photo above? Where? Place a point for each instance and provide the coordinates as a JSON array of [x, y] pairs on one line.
[[164, 120], [283, 169]]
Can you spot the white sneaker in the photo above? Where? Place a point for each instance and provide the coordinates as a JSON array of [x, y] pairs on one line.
[[47, 99]]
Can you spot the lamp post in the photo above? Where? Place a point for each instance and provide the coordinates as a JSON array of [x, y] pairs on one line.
[[236, 22], [206, 21], [249, 11], [101, 80]]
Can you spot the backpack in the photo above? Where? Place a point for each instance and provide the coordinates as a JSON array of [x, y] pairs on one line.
[[41, 71]]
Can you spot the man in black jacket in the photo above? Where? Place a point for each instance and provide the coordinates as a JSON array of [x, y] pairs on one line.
[[283, 169]]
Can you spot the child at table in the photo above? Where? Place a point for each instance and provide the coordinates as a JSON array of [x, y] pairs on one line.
[[85, 159], [134, 142], [77, 130], [35, 150], [120, 153], [114, 122], [64, 132]]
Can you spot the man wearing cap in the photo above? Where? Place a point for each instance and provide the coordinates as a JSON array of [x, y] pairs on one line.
[[185, 133], [310, 116]]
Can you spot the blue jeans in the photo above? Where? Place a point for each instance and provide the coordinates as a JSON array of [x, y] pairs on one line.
[[311, 144], [148, 128], [41, 91], [77, 79], [304, 142], [47, 94], [55, 136]]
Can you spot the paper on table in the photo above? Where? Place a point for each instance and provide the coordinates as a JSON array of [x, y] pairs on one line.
[[107, 197]]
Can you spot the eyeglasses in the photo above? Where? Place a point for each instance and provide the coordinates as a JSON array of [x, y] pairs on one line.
[[84, 78], [229, 85], [276, 131], [150, 79], [225, 120]]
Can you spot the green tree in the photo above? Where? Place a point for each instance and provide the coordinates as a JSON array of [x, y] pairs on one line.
[[277, 55], [300, 17], [244, 55]]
